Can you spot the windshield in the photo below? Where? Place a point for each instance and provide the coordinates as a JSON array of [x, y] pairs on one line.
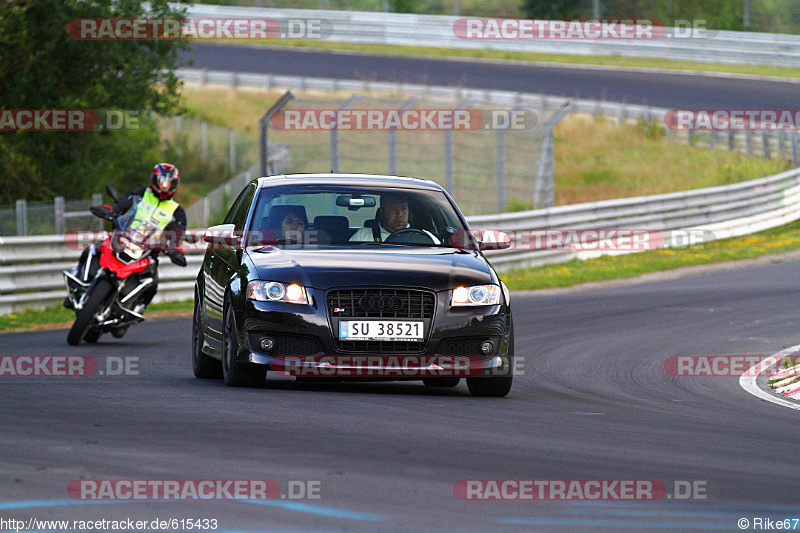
[[353, 216]]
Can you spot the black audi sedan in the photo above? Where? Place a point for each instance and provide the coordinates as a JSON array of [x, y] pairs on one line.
[[351, 277]]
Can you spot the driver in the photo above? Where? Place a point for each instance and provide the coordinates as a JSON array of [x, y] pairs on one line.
[[392, 217]]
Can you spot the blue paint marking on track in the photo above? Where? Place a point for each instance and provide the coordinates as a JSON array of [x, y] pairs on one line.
[[332, 512], [30, 504], [665, 511], [300, 507], [688, 505], [617, 524]]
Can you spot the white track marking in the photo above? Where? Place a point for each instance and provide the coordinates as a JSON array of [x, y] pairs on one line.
[[748, 380]]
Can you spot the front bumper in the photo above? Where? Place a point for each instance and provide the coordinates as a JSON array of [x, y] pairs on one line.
[[306, 332]]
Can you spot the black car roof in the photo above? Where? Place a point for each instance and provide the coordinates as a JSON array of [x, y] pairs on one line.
[[375, 180]]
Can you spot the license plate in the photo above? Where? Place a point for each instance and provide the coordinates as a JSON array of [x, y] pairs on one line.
[[381, 330]]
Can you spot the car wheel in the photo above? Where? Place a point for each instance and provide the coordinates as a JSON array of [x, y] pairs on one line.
[[203, 366], [441, 382], [497, 386], [234, 373]]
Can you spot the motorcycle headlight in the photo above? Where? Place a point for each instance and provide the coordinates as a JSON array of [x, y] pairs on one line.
[[272, 291], [475, 295]]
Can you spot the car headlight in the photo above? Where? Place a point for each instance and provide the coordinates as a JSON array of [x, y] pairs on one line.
[[272, 291], [476, 295]]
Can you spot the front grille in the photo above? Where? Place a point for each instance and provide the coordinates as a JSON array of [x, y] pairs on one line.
[[461, 346], [380, 303]]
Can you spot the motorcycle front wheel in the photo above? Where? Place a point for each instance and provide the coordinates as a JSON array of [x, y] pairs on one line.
[[84, 317]]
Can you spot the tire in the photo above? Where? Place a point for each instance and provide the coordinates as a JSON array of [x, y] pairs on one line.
[[494, 386], [92, 336], [85, 317], [441, 382], [203, 366], [497, 386], [234, 373]]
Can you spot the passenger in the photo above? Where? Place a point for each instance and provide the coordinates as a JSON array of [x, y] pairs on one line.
[[293, 226]]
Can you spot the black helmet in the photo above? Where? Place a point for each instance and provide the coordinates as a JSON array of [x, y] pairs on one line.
[[164, 180]]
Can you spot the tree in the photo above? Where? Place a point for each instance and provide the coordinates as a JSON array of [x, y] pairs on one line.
[[43, 67], [555, 9], [403, 6]]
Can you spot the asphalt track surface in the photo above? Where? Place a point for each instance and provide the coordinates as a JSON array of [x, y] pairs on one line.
[[595, 402], [660, 89]]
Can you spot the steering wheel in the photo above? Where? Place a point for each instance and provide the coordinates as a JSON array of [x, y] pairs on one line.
[[410, 236]]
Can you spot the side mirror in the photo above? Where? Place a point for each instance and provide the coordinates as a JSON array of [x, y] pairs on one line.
[[484, 239], [112, 192], [491, 239], [222, 237]]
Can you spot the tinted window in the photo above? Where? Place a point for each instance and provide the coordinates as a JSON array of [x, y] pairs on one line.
[[235, 204], [238, 215], [428, 210]]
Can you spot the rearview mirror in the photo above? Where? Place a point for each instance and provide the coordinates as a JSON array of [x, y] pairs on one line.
[[355, 202]]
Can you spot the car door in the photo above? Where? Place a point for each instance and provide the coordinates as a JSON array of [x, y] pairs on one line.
[[217, 273], [232, 258]]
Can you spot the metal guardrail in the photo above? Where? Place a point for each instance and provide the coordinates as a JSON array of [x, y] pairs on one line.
[[731, 47], [719, 212], [28, 282], [724, 211]]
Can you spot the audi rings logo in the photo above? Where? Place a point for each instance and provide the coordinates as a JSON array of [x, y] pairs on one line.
[[380, 303]]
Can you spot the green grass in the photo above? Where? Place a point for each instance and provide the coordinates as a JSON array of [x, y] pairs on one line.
[[606, 61], [599, 159], [782, 239], [595, 159], [58, 317]]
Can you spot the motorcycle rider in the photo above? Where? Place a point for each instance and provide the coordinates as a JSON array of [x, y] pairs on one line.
[[155, 202]]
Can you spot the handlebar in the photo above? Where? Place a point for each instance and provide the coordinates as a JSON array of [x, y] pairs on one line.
[[102, 211]]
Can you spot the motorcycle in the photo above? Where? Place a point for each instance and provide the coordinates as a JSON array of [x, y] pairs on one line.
[[108, 285]]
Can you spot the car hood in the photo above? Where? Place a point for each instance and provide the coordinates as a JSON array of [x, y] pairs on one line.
[[323, 268]]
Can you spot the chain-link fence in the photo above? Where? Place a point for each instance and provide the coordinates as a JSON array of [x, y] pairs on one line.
[[189, 136], [49, 218], [499, 161]]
